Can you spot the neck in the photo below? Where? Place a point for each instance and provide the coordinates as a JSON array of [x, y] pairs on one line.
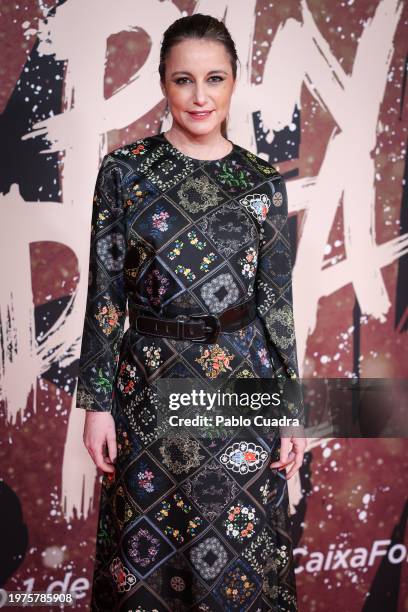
[[198, 144]]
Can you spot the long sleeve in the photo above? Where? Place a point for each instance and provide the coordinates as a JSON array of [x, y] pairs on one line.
[[273, 290], [106, 299]]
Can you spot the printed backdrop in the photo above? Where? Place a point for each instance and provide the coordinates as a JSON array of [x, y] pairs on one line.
[[323, 96]]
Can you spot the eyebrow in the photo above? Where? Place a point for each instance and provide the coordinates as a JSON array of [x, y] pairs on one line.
[[189, 73]]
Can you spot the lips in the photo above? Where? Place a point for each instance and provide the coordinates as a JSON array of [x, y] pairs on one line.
[[199, 114]]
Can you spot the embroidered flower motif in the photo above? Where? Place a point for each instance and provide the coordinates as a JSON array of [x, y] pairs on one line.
[[245, 373], [244, 457], [214, 360], [282, 556], [136, 256], [207, 260], [237, 587], [234, 176], [143, 547], [269, 296], [259, 551], [159, 221], [144, 480], [103, 215], [264, 357], [240, 522], [108, 480], [135, 195], [139, 150], [135, 149], [174, 532], [175, 252], [122, 511], [277, 198], [122, 576], [192, 236], [177, 583], [186, 272], [265, 490], [257, 204], [152, 355], [127, 378], [102, 380], [164, 511], [124, 444], [156, 286], [108, 315], [249, 262]]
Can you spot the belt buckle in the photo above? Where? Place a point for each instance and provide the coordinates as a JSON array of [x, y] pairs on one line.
[[213, 323]]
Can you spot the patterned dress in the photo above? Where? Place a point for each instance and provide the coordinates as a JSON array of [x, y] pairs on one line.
[[188, 521]]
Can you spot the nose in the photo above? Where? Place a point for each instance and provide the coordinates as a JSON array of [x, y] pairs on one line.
[[200, 96]]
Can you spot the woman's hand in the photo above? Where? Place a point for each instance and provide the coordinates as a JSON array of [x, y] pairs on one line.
[[292, 449], [99, 432]]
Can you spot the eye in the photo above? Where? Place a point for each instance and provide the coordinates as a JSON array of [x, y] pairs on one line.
[[214, 79]]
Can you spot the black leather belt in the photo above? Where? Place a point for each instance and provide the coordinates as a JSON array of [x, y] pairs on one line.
[[194, 327]]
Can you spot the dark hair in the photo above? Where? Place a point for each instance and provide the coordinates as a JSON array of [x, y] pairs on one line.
[[198, 26]]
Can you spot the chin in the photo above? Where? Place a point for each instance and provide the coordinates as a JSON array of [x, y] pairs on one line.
[[201, 128]]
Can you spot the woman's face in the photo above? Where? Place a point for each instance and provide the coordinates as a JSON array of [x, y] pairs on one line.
[[198, 85]]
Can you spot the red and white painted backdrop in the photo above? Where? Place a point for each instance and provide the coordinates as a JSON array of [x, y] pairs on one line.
[[322, 95]]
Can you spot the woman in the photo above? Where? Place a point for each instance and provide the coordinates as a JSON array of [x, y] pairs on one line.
[[188, 223]]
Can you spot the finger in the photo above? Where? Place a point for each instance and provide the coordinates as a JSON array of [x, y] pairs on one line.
[[283, 468], [100, 459], [91, 454], [296, 460], [112, 448], [299, 444], [287, 465], [297, 465], [290, 458], [285, 447]]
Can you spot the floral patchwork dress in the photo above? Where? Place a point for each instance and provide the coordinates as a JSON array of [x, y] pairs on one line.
[[188, 522]]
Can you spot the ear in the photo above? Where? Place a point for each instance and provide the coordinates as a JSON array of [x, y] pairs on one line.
[[162, 87]]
